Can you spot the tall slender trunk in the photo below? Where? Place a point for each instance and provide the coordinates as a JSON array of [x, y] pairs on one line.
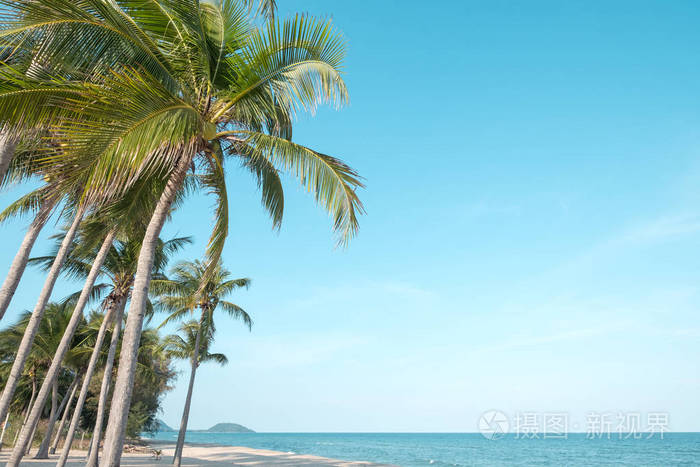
[[177, 457], [4, 427], [64, 418], [94, 449], [38, 313], [19, 263], [31, 401], [32, 427], [43, 452], [31, 438], [8, 143], [54, 399], [121, 401], [92, 365], [63, 348]]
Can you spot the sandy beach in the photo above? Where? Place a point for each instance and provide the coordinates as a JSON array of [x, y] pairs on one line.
[[196, 455]]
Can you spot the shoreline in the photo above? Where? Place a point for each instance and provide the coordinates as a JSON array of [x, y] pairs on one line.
[[221, 454], [200, 454]]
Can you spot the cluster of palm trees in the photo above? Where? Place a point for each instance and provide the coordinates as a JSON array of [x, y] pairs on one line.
[[115, 111], [178, 296]]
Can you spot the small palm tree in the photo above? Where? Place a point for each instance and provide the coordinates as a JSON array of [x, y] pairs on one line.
[[193, 289], [191, 343], [181, 346]]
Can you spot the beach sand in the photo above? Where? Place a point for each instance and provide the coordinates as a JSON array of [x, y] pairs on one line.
[[195, 455]]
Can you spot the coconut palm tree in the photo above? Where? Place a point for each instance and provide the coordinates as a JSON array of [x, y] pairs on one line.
[[78, 211], [19, 262], [64, 417], [72, 366], [192, 288], [175, 84], [119, 266], [36, 317], [93, 450], [192, 343], [42, 202], [24, 440], [123, 215]]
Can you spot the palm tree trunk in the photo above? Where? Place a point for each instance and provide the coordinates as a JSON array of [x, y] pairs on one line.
[[31, 401], [54, 399], [94, 449], [63, 348], [177, 458], [64, 418], [43, 452], [121, 401], [31, 438], [38, 313], [92, 365], [9, 286], [4, 427], [8, 143]]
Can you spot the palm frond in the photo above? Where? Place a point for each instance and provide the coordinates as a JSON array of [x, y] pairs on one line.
[[333, 182], [237, 312]]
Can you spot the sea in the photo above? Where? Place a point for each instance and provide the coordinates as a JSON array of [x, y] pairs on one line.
[[469, 449]]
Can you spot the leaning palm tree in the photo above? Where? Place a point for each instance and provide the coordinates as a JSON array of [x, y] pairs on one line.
[[24, 440], [190, 289], [102, 229], [192, 342], [74, 365], [78, 209], [175, 84], [118, 266], [40, 202]]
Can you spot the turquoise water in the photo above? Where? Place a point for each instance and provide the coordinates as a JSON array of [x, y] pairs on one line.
[[469, 449]]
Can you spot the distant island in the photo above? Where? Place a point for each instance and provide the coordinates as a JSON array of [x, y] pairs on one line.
[[218, 428], [162, 426], [228, 428]]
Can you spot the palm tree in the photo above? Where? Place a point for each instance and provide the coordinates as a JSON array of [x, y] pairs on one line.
[[102, 401], [96, 228], [193, 288], [118, 265], [64, 417], [19, 263], [191, 343], [42, 202], [43, 349], [38, 313], [175, 84], [62, 349]]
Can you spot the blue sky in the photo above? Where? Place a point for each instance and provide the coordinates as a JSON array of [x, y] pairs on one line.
[[533, 219]]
